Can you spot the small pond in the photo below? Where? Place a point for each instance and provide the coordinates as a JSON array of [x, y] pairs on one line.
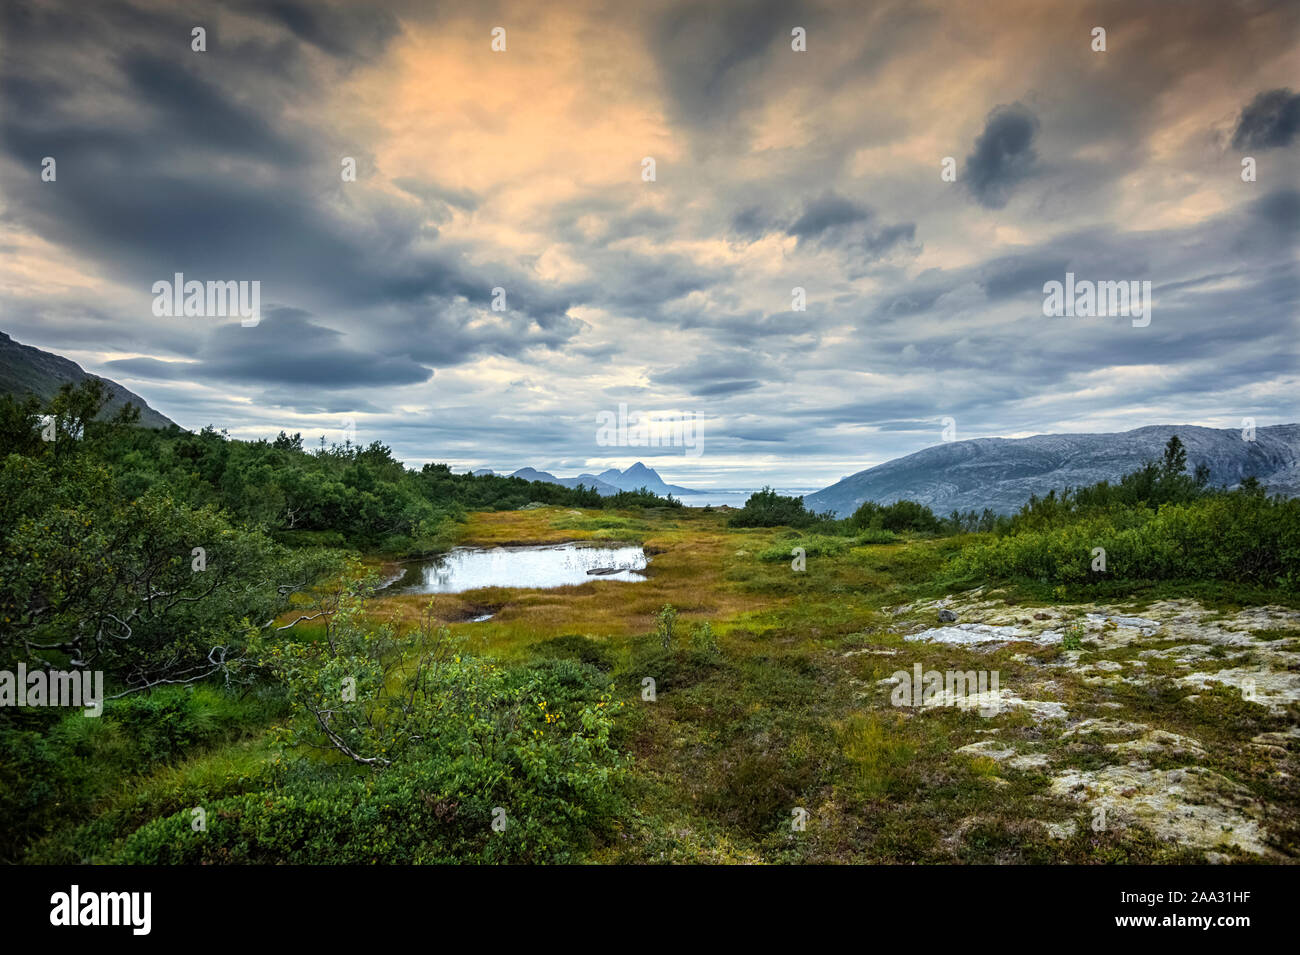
[[545, 565]]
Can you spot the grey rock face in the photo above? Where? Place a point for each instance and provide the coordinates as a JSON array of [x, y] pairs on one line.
[[1002, 474]]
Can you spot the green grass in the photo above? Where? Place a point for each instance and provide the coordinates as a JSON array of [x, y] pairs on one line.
[[786, 714]]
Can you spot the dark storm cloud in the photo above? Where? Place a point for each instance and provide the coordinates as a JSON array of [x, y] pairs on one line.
[[1271, 119], [721, 374], [764, 435], [829, 221], [285, 348], [1280, 209], [721, 388], [226, 166], [877, 243], [192, 113], [1015, 274], [751, 223], [711, 54], [921, 295], [338, 30], [1003, 155], [828, 211], [644, 284]]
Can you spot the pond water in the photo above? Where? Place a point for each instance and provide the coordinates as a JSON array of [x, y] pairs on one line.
[[546, 565]]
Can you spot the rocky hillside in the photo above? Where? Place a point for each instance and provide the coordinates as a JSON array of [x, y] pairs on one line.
[[1002, 473], [25, 369]]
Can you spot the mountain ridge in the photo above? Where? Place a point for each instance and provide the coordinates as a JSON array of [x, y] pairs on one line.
[[26, 369], [610, 481], [1002, 473]]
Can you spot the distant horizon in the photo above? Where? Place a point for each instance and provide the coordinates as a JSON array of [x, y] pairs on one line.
[[677, 464], [671, 461]]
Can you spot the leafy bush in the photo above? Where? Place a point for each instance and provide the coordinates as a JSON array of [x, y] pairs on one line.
[[1234, 536], [57, 764], [703, 639], [899, 516], [533, 742], [766, 508]]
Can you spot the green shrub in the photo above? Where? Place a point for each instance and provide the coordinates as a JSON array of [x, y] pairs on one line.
[[1234, 536], [900, 516], [703, 639], [531, 741], [766, 508], [575, 647], [665, 621]]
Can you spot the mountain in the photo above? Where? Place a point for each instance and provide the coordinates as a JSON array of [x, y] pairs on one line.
[[611, 481], [639, 476], [25, 369], [532, 474], [1002, 473]]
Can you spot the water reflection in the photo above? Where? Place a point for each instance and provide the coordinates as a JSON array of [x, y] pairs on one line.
[[540, 566]]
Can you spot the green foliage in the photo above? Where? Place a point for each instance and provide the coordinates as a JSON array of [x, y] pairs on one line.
[[703, 640], [825, 545], [110, 582], [900, 516], [348, 495], [396, 746], [766, 508], [665, 621], [1073, 637], [1240, 537], [877, 754], [534, 742], [57, 765], [1175, 458]]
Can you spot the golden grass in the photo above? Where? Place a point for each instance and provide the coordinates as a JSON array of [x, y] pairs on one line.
[[690, 559]]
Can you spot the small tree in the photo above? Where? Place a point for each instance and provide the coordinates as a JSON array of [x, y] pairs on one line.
[[703, 639], [1175, 461], [667, 620]]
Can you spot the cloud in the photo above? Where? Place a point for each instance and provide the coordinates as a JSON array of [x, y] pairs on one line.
[[285, 349], [710, 56], [1280, 209], [1015, 274], [345, 32], [1003, 156], [1270, 120], [777, 169], [829, 211]]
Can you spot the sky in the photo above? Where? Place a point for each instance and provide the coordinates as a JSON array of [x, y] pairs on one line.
[[525, 170]]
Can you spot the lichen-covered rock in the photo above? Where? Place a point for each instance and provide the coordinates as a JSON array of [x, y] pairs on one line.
[[1194, 807]]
